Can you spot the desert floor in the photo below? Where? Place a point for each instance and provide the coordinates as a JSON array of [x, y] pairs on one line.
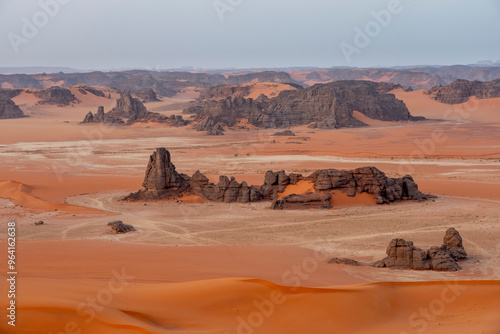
[[243, 268]]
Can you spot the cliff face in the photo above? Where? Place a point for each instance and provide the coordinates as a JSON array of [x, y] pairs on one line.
[[326, 106], [461, 90]]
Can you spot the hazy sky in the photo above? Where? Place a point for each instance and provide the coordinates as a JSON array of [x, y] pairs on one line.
[[105, 34]]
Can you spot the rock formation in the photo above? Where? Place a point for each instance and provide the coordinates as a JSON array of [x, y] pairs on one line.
[[461, 90], [119, 227], [56, 96], [147, 95], [101, 117], [133, 111], [326, 106], [8, 109], [162, 181], [402, 254]]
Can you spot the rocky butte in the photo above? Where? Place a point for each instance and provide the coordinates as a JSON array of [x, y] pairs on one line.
[[163, 181], [325, 106], [461, 90]]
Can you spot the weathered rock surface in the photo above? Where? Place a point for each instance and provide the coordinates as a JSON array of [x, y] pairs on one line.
[[402, 254], [461, 90], [119, 227], [8, 109], [162, 181], [327, 106], [147, 95], [453, 243], [56, 96]]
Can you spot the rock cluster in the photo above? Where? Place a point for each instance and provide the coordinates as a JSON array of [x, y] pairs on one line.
[[326, 106], [461, 90], [56, 96], [101, 117], [162, 181], [402, 254], [134, 111], [119, 227]]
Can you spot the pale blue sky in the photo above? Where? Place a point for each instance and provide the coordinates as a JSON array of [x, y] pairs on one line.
[[104, 34]]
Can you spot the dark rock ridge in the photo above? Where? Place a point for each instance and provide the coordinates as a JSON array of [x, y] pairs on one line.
[[119, 227], [461, 90], [162, 181], [147, 95], [84, 89], [287, 133], [56, 96], [326, 106], [8, 108], [224, 91], [402, 254], [266, 76], [132, 109]]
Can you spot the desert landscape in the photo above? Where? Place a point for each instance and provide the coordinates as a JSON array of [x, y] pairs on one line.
[[251, 200]]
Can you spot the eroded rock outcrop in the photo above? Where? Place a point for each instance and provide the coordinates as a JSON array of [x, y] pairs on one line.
[[130, 110], [162, 181], [9, 109], [402, 254], [56, 95], [461, 90], [326, 106]]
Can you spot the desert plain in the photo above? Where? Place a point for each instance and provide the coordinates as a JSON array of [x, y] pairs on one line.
[[203, 267]]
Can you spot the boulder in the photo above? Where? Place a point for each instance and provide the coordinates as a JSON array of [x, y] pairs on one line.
[[119, 227]]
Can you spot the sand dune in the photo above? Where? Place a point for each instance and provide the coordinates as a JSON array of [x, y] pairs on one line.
[[21, 194], [239, 305]]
